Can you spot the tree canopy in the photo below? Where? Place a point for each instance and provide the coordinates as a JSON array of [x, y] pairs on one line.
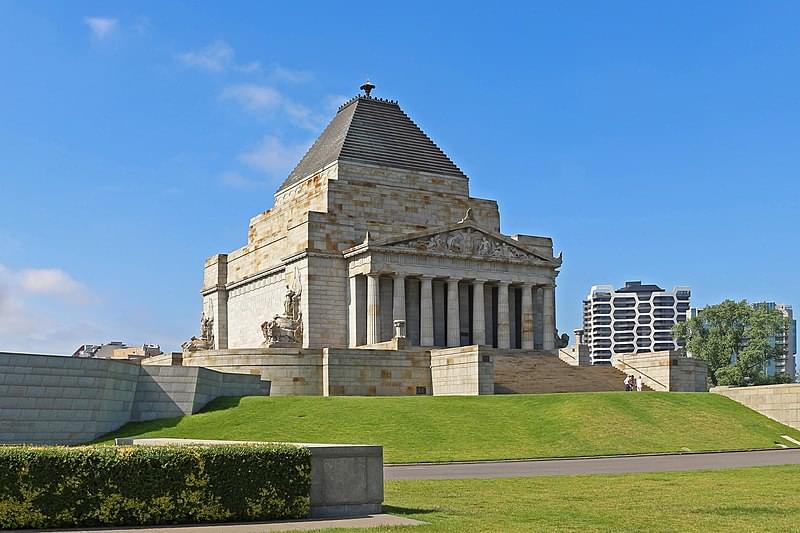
[[735, 339]]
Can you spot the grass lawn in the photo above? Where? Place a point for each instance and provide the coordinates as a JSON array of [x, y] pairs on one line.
[[427, 428], [749, 499]]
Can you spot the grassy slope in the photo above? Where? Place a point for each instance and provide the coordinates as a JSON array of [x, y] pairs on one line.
[[749, 499], [426, 428]]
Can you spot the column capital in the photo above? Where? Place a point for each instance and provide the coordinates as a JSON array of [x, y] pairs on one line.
[[503, 283], [374, 274], [397, 275], [527, 284], [478, 281], [425, 276]]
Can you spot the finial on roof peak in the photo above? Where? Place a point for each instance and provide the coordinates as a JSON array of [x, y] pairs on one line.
[[367, 87]]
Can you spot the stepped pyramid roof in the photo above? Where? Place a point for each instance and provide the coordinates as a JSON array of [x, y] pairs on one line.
[[373, 131]]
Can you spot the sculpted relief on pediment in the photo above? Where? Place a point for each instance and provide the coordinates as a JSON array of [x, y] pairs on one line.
[[467, 242]]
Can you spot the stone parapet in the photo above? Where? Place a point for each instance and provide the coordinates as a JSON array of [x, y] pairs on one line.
[[290, 371], [665, 371], [48, 399], [778, 402]]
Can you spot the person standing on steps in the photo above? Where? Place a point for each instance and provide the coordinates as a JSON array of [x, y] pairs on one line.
[[639, 383]]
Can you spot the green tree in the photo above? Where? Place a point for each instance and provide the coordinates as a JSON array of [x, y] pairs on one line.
[[735, 339]]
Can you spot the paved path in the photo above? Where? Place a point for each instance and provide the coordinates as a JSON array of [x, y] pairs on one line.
[[376, 520], [595, 465]]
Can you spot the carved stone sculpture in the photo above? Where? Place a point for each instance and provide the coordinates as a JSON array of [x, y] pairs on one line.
[[207, 329], [467, 217], [206, 339], [285, 330], [562, 341], [468, 242]]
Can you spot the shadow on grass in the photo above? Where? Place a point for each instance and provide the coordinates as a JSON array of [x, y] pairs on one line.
[[221, 403], [392, 509], [134, 429]]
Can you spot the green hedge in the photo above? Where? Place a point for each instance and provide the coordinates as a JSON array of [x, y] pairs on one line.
[[142, 485]]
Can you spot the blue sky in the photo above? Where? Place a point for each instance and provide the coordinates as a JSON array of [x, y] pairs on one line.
[[658, 143]]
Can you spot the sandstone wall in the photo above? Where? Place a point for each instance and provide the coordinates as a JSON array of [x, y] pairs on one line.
[[392, 203], [665, 371], [361, 372], [325, 300], [462, 371], [778, 402], [333, 211], [250, 305], [290, 371]]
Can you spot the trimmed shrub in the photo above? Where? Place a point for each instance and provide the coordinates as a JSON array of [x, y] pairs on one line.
[[88, 486]]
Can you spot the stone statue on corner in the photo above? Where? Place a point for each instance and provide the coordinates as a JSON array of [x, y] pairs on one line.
[[206, 339], [562, 341], [286, 330]]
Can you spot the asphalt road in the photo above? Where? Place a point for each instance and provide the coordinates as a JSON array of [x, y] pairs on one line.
[[595, 465]]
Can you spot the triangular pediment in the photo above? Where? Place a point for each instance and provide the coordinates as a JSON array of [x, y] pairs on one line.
[[467, 239]]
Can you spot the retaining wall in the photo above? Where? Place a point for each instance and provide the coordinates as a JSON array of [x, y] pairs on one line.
[[290, 371], [665, 371], [357, 372], [47, 399], [778, 402]]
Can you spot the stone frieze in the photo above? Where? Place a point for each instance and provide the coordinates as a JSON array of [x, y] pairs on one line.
[[467, 241]]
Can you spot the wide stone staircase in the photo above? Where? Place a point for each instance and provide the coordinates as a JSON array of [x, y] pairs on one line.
[[535, 372]]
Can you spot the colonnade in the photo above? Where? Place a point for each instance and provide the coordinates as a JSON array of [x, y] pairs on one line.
[[501, 318]]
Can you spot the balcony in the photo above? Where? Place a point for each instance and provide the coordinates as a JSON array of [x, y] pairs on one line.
[[624, 314], [624, 302], [624, 337]]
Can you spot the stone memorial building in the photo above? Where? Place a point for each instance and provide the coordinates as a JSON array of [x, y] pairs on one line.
[[375, 226], [376, 273]]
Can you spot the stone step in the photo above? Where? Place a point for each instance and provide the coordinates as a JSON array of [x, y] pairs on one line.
[[537, 372]]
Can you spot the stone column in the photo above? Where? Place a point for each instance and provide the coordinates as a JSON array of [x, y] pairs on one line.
[[453, 315], [426, 311], [503, 327], [549, 318], [399, 298], [353, 312], [478, 316], [373, 309], [527, 316]]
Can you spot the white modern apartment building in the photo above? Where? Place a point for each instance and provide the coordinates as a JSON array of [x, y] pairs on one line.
[[634, 319], [787, 340]]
